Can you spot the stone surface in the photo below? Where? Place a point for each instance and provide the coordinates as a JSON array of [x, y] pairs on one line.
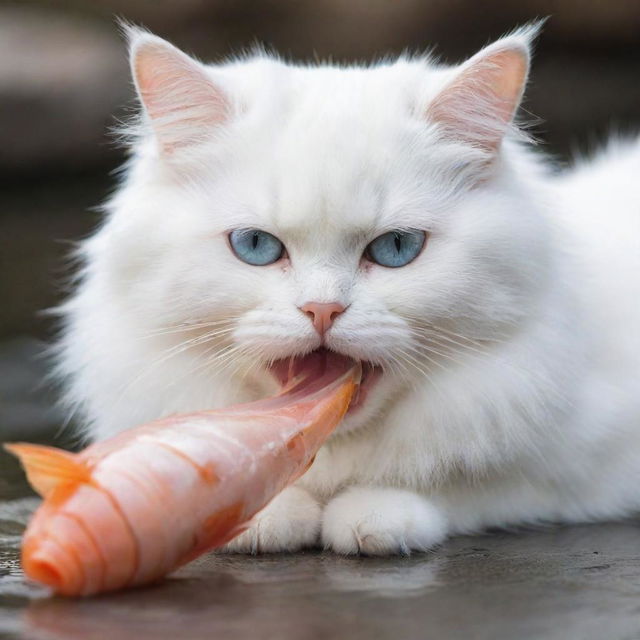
[[568, 583], [579, 582]]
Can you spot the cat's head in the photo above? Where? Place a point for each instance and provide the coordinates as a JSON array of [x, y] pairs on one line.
[[382, 212]]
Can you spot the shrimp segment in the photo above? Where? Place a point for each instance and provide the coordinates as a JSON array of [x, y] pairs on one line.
[[129, 510]]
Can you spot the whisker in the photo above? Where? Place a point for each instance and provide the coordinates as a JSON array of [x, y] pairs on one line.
[[443, 354], [462, 345], [450, 345], [403, 371], [430, 359], [189, 344], [209, 357], [249, 365], [172, 352], [497, 336], [477, 340], [423, 372], [182, 327]]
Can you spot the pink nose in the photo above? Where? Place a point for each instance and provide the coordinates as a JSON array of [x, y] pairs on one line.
[[322, 314]]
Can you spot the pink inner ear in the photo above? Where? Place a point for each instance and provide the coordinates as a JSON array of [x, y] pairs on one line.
[[181, 100], [478, 106]]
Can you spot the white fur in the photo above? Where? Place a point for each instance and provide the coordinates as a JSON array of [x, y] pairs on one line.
[[381, 521], [290, 522], [511, 348]]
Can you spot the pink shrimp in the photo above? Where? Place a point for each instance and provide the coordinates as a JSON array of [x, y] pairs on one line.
[[129, 510]]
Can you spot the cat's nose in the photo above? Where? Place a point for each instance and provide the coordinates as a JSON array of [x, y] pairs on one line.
[[322, 314]]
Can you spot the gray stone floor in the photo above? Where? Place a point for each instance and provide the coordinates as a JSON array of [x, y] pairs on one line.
[[574, 582]]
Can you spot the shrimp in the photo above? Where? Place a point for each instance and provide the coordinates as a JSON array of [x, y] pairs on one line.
[[127, 511]]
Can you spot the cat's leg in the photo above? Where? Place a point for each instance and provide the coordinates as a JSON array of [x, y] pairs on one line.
[[290, 522], [381, 521]]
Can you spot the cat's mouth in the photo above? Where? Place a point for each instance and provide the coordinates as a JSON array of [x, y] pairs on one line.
[[322, 361]]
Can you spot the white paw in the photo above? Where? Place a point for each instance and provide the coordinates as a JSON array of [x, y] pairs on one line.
[[290, 522], [381, 521]]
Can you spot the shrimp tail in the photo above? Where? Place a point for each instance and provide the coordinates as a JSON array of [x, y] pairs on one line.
[[48, 467]]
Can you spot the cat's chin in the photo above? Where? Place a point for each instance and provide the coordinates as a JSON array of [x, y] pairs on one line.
[[322, 361]]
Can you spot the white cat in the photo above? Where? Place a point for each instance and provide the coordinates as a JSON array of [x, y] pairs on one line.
[[395, 214]]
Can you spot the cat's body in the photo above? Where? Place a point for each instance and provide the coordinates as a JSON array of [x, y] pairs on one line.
[[511, 391]]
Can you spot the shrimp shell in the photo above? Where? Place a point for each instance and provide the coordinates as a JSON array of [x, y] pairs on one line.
[[129, 510]]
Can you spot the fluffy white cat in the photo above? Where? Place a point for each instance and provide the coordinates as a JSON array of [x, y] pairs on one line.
[[392, 213]]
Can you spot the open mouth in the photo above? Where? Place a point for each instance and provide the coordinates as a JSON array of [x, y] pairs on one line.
[[322, 362]]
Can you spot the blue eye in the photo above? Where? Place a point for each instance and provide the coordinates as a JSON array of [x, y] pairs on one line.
[[256, 247], [396, 248]]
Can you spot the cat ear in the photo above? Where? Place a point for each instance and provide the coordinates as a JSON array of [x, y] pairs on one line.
[[181, 100], [477, 106]]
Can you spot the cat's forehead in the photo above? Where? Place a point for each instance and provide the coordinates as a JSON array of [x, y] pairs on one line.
[[324, 210], [326, 188], [331, 204], [320, 181], [334, 150]]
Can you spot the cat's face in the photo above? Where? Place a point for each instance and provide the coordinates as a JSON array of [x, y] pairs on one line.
[[324, 186]]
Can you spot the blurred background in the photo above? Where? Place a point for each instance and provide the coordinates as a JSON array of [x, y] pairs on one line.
[[64, 82]]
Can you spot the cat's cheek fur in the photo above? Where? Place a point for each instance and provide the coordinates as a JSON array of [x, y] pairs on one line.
[[381, 521]]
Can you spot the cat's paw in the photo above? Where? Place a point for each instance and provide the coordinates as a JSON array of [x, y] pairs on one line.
[[290, 522], [381, 521]]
